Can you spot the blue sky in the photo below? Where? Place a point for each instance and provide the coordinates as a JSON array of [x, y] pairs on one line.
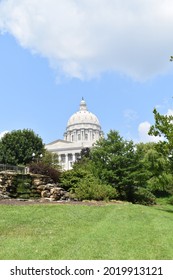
[[116, 56]]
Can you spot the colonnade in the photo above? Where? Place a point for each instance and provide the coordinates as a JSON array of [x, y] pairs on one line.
[[82, 135], [66, 160]]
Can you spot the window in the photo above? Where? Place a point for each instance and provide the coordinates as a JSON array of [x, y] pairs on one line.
[[63, 158], [70, 157]]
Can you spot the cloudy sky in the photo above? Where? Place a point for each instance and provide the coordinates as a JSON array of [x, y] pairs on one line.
[[114, 53]]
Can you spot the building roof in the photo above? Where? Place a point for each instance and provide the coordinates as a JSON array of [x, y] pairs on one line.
[[82, 117]]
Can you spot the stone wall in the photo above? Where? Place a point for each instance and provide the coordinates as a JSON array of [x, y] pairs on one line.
[[30, 186]]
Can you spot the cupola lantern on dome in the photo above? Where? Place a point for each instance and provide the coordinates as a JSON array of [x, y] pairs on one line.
[[83, 126], [83, 106]]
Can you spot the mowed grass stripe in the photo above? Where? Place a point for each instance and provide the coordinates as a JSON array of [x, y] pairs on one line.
[[121, 231]]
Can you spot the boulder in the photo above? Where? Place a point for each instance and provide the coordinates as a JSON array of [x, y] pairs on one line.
[[45, 193]]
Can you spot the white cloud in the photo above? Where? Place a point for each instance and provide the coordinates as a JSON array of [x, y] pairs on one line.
[[3, 133], [83, 38], [143, 130], [144, 127], [169, 112]]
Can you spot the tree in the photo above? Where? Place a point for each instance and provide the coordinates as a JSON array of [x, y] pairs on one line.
[[154, 169], [51, 159], [114, 162], [17, 147], [163, 128]]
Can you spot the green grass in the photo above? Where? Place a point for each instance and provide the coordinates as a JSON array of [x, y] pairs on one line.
[[69, 232]]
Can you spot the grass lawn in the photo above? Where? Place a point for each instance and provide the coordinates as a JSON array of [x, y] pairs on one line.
[[69, 232]]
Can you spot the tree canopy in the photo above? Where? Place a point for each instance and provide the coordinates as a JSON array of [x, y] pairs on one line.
[[114, 162], [163, 127], [18, 146]]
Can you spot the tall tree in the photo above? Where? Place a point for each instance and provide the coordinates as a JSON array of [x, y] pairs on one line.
[[115, 163], [163, 128], [154, 169], [18, 146]]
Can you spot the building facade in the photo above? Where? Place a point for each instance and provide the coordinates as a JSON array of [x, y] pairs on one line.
[[82, 131]]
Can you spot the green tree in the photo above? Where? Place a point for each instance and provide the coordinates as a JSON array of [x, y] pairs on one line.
[[50, 159], [17, 147], [163, 128], [115, 163], [154, 169]]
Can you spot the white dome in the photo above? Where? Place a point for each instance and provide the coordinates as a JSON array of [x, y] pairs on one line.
[[83, 116], [83, 126]]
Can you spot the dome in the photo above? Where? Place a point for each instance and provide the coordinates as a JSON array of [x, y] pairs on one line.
[[83, 116], [83, 127]]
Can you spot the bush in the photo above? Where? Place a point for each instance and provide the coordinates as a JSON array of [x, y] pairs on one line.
[[161, 185], [83, 185], [94, 190], [70, 179], [45, 169], [144, 196], [170, 200]]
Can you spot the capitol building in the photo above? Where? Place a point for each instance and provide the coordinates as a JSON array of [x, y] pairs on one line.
[[82, 131]]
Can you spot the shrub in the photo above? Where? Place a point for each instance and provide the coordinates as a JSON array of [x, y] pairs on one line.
[[45, 169], [94, 191], [161, 185], [82, 184], [70, 179], [170, 200], [144, 196]]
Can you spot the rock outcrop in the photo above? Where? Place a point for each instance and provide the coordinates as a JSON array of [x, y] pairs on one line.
[[30, 186]]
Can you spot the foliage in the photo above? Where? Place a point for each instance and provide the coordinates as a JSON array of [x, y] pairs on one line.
[[163, 128], [81, 182], [154, 169], [17, 147], [144, 196], [81, 170], [20, 186], [85, 153], [70, 179], [120, 164], [170, 200], [94, 190], [114, 162], [161, 185], [45, 169], [51, 159]]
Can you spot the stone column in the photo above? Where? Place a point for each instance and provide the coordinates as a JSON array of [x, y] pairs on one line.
[[74, 158], [66, 162]]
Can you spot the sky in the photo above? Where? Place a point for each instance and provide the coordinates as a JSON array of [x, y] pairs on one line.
[[113, 53]]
